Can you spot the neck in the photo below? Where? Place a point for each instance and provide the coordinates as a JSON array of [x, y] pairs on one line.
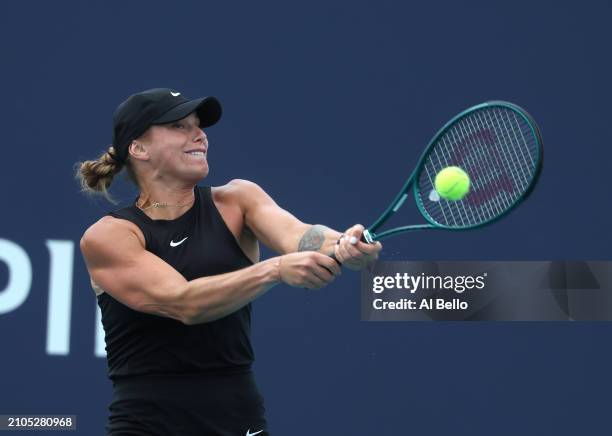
[[171, 202]]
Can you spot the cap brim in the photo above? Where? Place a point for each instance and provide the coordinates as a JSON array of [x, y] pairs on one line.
[[207, 108]]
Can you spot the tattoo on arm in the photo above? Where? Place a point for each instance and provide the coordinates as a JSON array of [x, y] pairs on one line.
[[313, 238]]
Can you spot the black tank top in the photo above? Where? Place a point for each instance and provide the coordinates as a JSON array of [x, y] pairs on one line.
[[196, 244]]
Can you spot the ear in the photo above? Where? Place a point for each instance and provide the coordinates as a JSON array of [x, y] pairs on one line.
[[138, 150]]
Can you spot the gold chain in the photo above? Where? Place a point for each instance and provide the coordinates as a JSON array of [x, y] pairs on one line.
[[158, 205]]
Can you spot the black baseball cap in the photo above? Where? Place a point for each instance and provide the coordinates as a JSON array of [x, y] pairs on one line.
[[157, 106]]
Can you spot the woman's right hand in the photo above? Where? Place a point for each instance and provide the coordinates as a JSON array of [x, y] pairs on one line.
[[308, 269]]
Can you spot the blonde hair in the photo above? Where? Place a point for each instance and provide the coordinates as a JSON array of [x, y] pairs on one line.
[[96, 176]]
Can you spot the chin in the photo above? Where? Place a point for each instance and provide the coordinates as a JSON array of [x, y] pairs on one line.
[[201, 172], [192, 174]]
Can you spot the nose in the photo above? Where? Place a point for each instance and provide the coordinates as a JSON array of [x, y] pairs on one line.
[[200, 136]]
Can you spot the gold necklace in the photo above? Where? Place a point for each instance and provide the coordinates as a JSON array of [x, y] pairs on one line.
[[158, 205]]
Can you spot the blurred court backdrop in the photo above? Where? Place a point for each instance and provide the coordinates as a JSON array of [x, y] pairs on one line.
[[327, 105]]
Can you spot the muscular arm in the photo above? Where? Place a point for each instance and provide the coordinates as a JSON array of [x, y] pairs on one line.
[[119, 265], [137, 278], [284, 233], [277, 228]]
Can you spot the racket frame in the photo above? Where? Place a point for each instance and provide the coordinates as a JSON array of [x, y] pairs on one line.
[[370, 235]]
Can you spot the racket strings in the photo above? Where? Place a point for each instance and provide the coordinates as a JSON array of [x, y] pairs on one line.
[[499, 151], [491, 179]]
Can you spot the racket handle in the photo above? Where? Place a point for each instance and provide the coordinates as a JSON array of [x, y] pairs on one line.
[[367, 237]]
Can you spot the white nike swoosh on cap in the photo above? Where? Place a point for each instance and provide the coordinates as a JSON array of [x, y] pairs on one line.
[[248, 433], [175, 94], [175, 244]]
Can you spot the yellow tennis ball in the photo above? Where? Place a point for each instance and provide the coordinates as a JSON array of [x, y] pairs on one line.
[[452, 183]]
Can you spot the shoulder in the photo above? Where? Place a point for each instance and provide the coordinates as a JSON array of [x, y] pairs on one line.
[[109, 232], [238, 192], [236, 187]]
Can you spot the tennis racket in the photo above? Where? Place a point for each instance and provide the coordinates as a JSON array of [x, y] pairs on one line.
[[498, 144]]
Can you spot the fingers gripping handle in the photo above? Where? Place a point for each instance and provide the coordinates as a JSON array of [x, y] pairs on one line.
[[365, 237], [333, 255]]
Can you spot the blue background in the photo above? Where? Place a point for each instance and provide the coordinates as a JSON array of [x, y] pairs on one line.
[[327, 105]]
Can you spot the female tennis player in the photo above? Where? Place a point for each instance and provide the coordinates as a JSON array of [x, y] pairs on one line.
[[175, 272]]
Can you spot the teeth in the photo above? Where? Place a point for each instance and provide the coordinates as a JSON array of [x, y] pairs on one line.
[[196, 153]]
